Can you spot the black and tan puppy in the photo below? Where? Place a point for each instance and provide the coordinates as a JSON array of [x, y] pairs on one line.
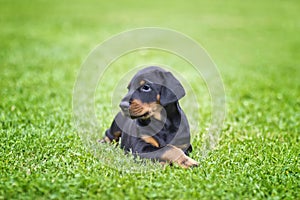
[[152, 124]]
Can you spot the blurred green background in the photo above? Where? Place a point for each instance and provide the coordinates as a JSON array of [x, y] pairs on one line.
[[256, 46]]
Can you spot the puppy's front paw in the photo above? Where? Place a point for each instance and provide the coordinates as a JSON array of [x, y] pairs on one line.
[[186, 162], [104, 140]]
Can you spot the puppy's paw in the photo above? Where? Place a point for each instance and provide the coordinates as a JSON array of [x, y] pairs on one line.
[[186, 162], [104, 140]]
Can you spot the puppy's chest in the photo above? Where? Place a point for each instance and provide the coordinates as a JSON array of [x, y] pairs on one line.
[[163, 137], [161, 134]]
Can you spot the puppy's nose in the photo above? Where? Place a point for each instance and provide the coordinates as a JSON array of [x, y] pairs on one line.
[[124, 105]]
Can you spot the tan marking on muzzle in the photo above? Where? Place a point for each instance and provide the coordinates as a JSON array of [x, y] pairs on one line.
[[138, 108]]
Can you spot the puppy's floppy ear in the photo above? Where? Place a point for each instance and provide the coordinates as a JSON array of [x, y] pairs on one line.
[[171, 89]]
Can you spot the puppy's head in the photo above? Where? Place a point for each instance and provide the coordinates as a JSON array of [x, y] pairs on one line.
[[149, 91]]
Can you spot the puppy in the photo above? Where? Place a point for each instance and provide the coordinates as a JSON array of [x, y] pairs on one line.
[[152, 125]]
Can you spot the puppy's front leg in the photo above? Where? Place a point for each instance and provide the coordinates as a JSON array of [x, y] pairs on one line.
[[173, 154], [112, 134], [167, 154]]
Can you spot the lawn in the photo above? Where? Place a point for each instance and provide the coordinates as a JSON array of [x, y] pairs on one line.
[[256, 47]]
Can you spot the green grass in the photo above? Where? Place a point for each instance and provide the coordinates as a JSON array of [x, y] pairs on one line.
[[256, 47]]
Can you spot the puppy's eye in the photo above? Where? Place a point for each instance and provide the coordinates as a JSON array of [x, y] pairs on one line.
[[146, 88]]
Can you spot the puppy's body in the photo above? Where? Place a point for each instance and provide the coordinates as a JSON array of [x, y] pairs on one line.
[[152, 125]]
